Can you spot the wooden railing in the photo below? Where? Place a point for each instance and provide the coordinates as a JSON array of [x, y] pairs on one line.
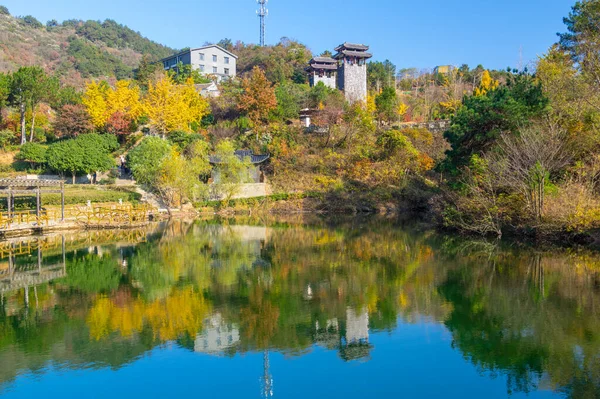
[[105, 215]]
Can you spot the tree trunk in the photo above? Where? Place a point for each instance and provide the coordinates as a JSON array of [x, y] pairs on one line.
[[23, 133], [73, 177], [32, 124]]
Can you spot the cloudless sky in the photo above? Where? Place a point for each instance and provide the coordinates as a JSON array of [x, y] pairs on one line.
[[419, 34]]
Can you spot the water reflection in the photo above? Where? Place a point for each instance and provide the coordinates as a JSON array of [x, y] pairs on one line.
[[103, 299]]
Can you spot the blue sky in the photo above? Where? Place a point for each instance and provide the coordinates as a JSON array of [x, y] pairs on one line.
[[419, 34]]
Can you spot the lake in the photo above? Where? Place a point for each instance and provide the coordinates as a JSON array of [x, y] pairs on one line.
[[295, 308]]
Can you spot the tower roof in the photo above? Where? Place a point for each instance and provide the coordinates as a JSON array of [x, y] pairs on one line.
[[352, 53], [351, 46]]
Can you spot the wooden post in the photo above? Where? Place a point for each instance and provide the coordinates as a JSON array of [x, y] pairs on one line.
[[62, 201], [39, 259], [9, 202], [37, 203], [64, 255]]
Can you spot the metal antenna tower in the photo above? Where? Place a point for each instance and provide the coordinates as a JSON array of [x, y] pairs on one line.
[[262, 14]]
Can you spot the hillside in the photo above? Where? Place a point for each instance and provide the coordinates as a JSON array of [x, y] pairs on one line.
[[75, 49]]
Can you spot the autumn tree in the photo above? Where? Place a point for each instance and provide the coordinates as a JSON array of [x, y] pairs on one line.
[[258, 97], [29, 86], [487, 84], [174, 107], [72, 120], [103, 101], [94, 99]]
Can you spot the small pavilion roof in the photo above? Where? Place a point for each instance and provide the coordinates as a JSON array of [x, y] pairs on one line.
[[255, 159]]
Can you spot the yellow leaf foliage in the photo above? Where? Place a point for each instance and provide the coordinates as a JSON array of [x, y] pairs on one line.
[[487, 84], [94, 100], [173, 107]]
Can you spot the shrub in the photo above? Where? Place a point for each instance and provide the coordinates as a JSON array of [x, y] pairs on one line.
[[7, 138], [33, 153], [4, 10], [31, 21], [144, 160]]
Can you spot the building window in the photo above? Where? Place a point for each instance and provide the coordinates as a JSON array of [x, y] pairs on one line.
[[201, 68], [226, 71], [214, 69], [227, 60], [201, 56], [214, 58]]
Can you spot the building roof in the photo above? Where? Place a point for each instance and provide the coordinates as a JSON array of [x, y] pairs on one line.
[[352, 53], [322, 60], [243, 154], [217, 46], [199, 48], [352, 46], [328, 67]]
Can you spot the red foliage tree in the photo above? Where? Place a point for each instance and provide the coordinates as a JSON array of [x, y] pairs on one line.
[[72, 120], [119, 124]]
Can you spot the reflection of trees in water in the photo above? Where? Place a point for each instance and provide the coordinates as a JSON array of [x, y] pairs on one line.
[[528, 315]]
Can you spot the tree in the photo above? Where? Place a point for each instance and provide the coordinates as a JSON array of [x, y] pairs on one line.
[[258, 97], [85, 154], [33, 153], [145, 71], [103, 101], [45, 87], [145, 159], [487, 84], [481, 119], [94, 99], [387, 104], [291, 98], [582, 39], [72, 120], [181, 73], [231, 171], [65, 157], [119, 124], [526, 161], [24, 91], [5, 86], [381, 75], [174, 107]]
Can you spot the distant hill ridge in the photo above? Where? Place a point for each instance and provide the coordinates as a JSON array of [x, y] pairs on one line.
[[75, 49]]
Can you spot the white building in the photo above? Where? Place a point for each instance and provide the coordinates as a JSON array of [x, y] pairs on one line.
[[210, 60]]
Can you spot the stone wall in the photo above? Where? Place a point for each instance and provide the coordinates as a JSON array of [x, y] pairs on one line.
[[250, 190], [353, 81], [433, 126]]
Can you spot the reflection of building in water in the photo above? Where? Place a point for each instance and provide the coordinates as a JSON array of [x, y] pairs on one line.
[[357, 326], [217, 336], [356, 344], [350, 337]]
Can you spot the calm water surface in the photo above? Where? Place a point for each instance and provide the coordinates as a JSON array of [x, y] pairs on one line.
[[295, 310]]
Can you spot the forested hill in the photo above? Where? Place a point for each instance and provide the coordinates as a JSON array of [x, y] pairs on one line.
[[75, 49]]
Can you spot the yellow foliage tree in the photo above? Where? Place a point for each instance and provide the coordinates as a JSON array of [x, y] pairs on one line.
[[94, 100], [174, 107], [124, 98], [102, 101], [402, 109], [371, 106], [487, 84]]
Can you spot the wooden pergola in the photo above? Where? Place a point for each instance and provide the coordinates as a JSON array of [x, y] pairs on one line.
[[30, 188]]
